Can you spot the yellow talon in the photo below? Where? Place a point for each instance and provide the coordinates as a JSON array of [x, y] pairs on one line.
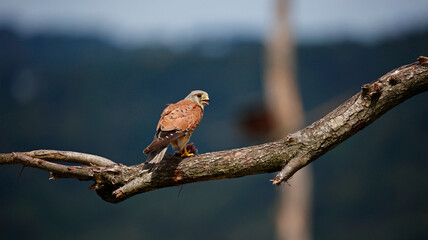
[[186, 153]]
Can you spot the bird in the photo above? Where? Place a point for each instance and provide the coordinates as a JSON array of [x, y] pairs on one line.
[[176, 126]]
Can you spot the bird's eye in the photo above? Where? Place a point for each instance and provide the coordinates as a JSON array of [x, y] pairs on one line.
[[199, 95]]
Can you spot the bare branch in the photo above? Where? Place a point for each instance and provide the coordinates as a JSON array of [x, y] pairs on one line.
[[59, 156], [82, 173], [115, 182], [68, 156]]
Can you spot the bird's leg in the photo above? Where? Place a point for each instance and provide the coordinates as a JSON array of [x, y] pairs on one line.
[[179, 152], [186, 153]]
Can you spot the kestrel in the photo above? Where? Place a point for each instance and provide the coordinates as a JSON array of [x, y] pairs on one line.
[[176, 125]]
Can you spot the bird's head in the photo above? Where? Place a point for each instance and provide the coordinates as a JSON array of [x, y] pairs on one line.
[[200, 97]]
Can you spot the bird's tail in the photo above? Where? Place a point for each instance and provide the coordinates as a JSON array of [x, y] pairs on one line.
[[156, 156]]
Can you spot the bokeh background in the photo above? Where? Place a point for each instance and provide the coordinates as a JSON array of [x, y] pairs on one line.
[[94, 77]]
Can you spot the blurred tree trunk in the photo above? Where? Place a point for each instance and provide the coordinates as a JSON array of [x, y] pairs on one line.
[[285, 107]]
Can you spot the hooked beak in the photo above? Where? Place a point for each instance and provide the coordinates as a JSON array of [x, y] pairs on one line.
[[205, 100]]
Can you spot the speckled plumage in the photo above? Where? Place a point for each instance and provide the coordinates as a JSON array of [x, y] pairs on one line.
[[184, 116], [176, 125]]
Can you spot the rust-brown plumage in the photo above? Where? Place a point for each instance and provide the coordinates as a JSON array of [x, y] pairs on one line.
[[176, 125], [184, 115]]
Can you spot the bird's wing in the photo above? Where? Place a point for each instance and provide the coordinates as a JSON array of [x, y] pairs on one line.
[[182, 116], [162, 140]]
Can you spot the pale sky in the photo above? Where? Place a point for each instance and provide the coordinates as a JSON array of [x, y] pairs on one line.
[[136, 21]]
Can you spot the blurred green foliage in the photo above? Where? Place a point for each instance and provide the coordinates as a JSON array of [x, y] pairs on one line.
[[83, 94]]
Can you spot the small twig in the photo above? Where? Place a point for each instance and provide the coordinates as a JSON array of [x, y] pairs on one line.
[[20, 172], [179, 191]]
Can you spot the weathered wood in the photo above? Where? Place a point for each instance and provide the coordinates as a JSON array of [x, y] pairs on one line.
[[115, 182]]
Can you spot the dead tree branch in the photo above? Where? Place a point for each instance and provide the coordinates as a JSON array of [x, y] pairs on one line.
[[116, 182]]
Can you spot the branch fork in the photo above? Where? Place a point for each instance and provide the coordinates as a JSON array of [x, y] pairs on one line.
[[115, 182]]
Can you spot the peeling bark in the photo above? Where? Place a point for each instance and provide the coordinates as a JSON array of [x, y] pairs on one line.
[[116, 182]]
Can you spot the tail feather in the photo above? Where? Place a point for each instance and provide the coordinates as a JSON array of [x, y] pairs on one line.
[[156, 156]]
